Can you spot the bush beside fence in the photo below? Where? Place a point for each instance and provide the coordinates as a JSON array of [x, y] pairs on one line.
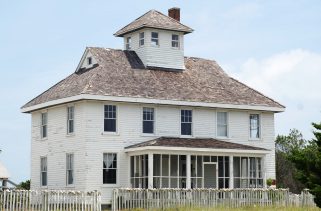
[[126, 198], [22, 200]]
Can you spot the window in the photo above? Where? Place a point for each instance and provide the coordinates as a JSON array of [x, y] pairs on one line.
[[110, 168], [128, 43], [154, 40], [70, 169], [148, 120], [110, 118], [222, 129], [70, 119], [186, 122], [89, 60], [141, 38], [43, 171], [175, 41], [254, 126], [44, 125]]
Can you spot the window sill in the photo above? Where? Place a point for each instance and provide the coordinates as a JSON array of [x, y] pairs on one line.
[[223, 138], [43, 139], [110, 133], [70, 186], [110, 186], [148, 134], [174, 48], [186, 136], [255, 139], [70, 134]]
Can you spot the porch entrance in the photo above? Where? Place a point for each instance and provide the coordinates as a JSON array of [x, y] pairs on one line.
[[210, 175]]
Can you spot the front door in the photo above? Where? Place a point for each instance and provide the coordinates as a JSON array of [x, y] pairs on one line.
[[210, 175]]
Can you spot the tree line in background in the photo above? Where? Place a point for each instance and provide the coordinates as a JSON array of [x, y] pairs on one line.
[[298, 162]]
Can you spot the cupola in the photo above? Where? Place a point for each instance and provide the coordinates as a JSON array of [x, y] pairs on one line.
[[157, 39]]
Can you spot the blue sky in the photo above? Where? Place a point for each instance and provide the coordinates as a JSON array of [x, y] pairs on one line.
[[273, 46]]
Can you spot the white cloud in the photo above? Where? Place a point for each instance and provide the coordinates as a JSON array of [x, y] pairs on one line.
[[294, 79]]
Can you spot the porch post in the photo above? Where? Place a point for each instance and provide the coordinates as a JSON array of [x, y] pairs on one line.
[[231, 172], [150, 170], [188, 171]]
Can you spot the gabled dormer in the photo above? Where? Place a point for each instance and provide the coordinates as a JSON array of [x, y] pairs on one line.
[[87, 61], [157, 39]]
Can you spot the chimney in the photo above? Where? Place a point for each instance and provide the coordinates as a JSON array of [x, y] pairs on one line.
[[175, 13]]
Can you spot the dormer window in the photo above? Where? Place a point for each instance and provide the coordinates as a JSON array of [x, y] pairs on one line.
[[141, 38], [128, 43], [89, 60], [154, 40], [175, 41]]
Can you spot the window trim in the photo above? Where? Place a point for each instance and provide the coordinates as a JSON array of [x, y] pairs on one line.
[[260, 126], [117, 118], [227, 124], [139, 39], [142, 121], [180, 123], [151, 39], [73, 119], [178, 41], [117, 184], [41, 179], [42, 125], [72, 169]]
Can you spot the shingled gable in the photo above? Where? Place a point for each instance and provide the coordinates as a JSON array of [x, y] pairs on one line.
[[193, 143], [154, 19], [122, 74]]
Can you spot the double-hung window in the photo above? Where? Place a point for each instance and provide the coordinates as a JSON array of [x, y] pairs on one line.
[[44, 125], [110, 118], [43, 171], [148, 120], [175, 41], [110, 168], [222, 125], [70, 169], [70, 119], [154, 39], [186, 122], [254, 126], [141, 39], [128, 43]]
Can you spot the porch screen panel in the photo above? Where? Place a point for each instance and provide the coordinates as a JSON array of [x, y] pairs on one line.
[[139, 171]]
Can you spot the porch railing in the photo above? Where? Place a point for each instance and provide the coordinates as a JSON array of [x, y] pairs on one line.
[[22, 200], [126, 198]]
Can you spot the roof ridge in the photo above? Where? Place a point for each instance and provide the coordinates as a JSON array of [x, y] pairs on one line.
[[173, 19]]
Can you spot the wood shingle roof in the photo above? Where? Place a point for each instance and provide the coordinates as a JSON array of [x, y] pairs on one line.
[[154, 19], [122, 74]]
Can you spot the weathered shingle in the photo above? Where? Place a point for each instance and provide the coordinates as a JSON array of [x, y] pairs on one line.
[[194, 143], [154, 19], [121, 73]]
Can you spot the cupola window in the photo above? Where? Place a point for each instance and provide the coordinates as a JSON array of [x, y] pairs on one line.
[[141, 38], [128, 43], [154, 40], [175, 41]]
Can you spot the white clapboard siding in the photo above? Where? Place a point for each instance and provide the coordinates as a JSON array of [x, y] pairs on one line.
[[90, 142]]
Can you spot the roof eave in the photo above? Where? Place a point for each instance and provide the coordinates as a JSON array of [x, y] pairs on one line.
[[121, 34]]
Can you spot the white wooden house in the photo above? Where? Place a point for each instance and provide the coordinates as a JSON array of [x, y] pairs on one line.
[[148, 117]]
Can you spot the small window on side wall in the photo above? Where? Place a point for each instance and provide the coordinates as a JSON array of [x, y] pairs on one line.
[[222, 125], [154, 39], [141, 39], [110, 118], [44, 125], [43, 171], [89, 60], [70, 119], [128, 43], [255, 126], [175, 41], [186, 122], [148, 120], [110, 168]]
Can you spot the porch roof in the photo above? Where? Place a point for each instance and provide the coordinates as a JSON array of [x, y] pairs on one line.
[[199, 143]]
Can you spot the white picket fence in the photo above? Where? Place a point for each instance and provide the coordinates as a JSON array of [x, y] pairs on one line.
[[22, 200], [127, 199]]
